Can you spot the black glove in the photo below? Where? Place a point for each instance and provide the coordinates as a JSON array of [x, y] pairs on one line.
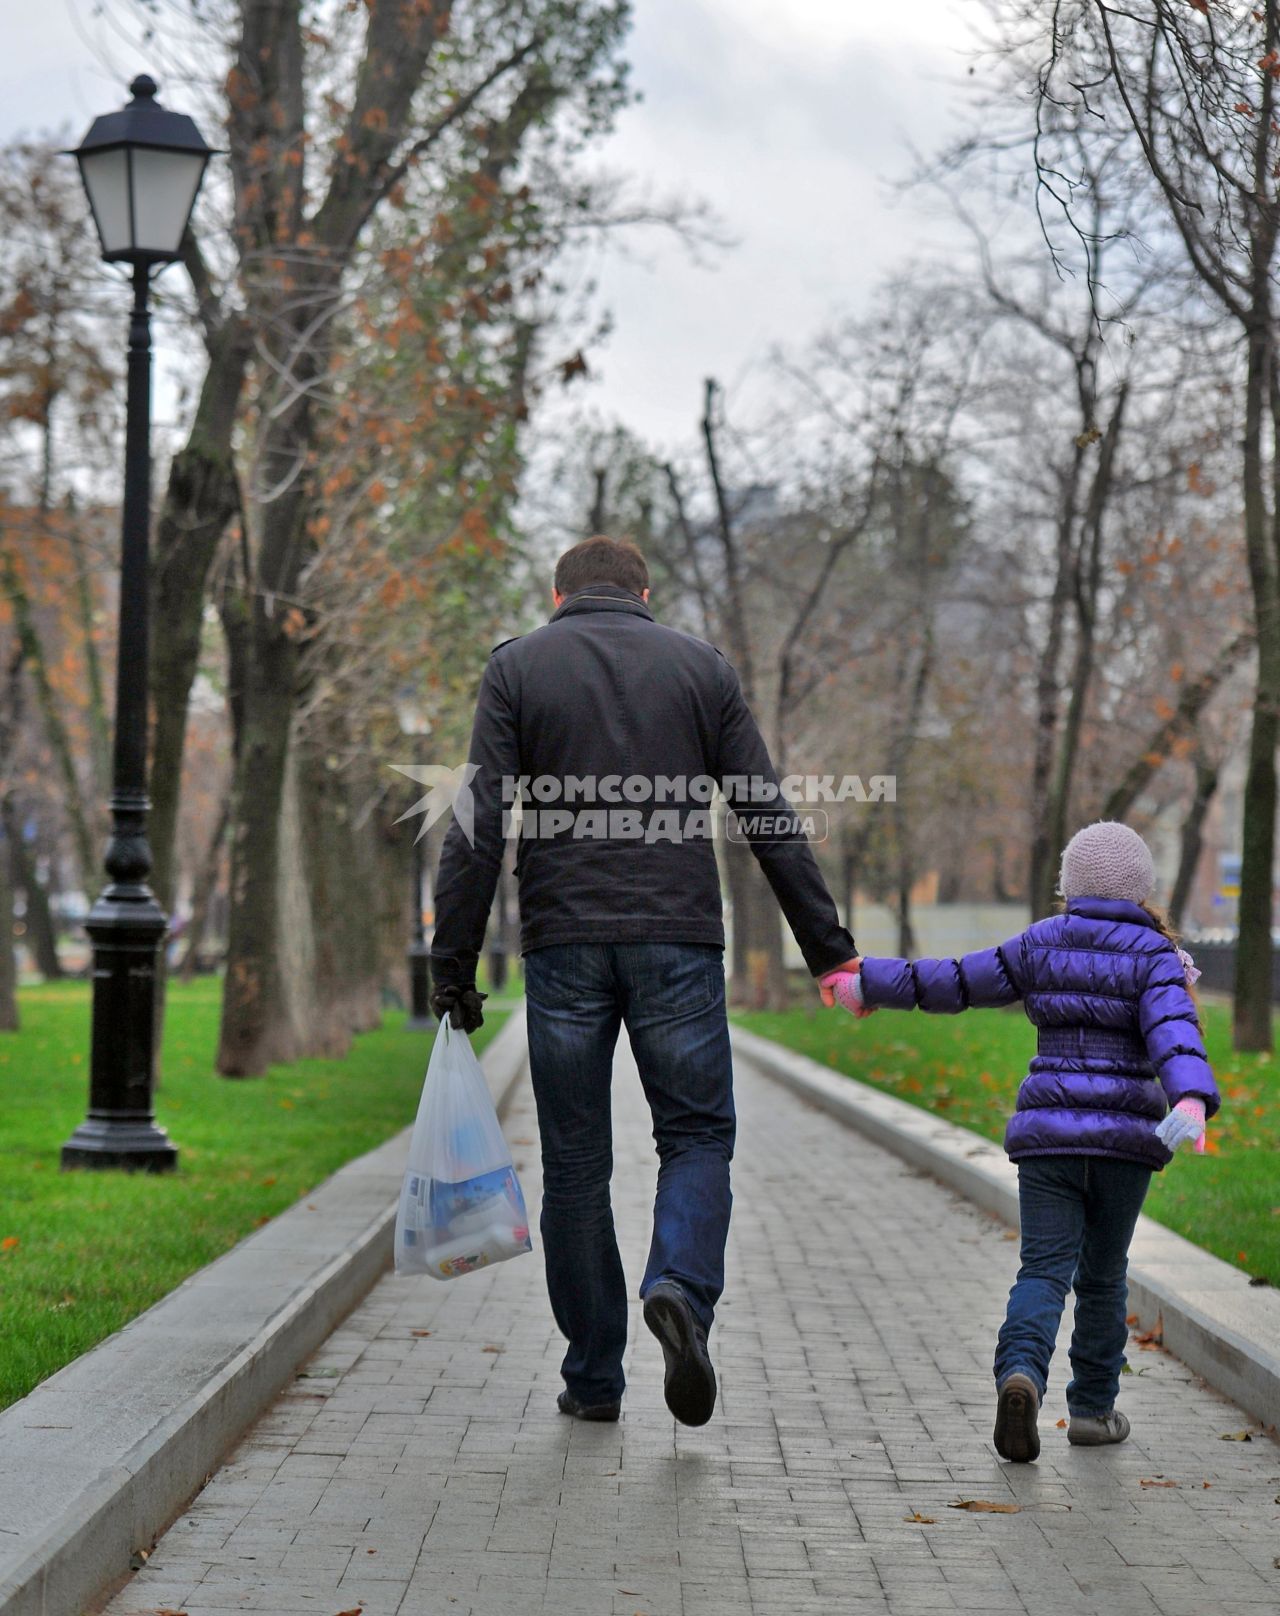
[[461, 1002]]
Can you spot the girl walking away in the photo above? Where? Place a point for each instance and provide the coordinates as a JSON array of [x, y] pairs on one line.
[[1119, 1036]]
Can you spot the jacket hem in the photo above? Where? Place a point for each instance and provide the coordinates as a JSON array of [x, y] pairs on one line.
[[622, 929], [1087, 1150]]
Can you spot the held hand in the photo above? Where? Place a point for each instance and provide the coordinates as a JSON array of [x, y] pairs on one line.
[[1184, 1122], [851, 967], [845, 988]]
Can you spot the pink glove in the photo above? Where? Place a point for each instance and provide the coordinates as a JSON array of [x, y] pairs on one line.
[[846, 989], [1185, 1121]]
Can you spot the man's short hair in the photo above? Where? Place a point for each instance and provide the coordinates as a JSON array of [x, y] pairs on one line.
[[601, 561]]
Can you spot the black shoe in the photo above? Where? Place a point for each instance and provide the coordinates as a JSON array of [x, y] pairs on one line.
[[605, 1413], [1016, 1437], [691, 1381]]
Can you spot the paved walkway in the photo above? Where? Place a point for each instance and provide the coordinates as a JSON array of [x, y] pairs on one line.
[[418, 1467]]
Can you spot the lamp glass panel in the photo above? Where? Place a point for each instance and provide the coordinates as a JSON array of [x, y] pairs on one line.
[[164, 190], [106, 179]]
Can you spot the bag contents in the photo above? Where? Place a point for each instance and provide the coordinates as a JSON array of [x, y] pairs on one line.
[[461, 1206], [454, 1229]]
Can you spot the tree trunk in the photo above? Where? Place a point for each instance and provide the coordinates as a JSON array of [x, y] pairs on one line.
[[42, 934], [771, 944], [256, 1027], [202, 497], [203, 888], [260, 1024], [394, 896], [849, 879], [1192, 841], [340, 877], [737, 869], [99, 727], [1252, 1007], [82, 819], [904, 879]]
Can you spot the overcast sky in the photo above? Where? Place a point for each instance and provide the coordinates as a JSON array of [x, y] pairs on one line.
[[791, 118]]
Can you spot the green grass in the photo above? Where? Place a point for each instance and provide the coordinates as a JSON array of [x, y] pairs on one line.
[[967, 1068], [82, 1253]]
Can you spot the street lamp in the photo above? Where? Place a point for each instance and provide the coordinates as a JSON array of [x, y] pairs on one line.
[[141, 167]]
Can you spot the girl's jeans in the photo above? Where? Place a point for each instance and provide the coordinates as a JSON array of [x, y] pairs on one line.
[[1078, 1216]]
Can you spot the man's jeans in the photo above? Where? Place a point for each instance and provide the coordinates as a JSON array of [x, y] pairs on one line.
[[671, 997], [1078, 1215]]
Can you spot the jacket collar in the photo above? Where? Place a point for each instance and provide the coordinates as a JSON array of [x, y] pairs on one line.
[[1110, 909], [602, 598]]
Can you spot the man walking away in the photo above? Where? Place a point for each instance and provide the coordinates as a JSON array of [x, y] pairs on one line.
[[628, 723]]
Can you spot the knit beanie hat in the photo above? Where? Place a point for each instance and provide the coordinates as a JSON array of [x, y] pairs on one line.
[[1107, 860]]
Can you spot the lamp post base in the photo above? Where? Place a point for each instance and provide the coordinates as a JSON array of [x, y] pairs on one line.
[[105, 1142], [126, 927], [420, 1016]]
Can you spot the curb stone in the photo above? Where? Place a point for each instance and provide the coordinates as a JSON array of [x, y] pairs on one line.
[[99, 1458], [1205, 1311]]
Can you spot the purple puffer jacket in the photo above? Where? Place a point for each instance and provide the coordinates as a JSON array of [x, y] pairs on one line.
[[1108, 994]]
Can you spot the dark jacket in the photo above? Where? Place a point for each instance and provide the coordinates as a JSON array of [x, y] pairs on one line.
[[602, 690], [1118, 1031]]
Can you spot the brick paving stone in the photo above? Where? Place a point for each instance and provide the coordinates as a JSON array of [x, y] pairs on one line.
[[426, 1472]]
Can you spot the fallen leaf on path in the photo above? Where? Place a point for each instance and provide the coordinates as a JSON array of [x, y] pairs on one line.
[[1131, 1319], [1235, 1436], [924, 1520], [981, 1506], [356, 1610], [1155, 1481], [419, 1332], [1009, 1234], [1150, 1338], [493, 1349], [1062, 1425]]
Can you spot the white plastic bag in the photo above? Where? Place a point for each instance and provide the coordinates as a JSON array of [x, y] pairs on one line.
[[461, 1206]]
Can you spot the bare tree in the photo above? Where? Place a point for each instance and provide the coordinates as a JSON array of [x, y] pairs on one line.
[[1196, 86]]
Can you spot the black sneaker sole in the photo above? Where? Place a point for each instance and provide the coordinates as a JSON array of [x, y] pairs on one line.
[[1016, 1437], [690, 1384]]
